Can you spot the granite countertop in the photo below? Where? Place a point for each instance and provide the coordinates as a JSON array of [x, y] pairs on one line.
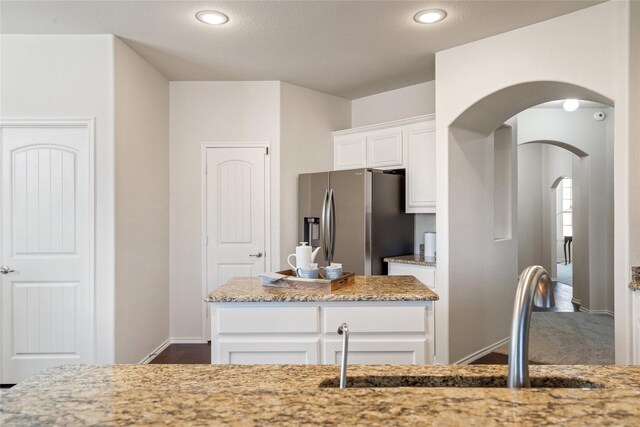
[[415, 259], [363, 288], [289, 394], [635, 278]]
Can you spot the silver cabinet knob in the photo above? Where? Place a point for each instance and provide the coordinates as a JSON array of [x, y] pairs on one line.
[[257, 255], [6, 270]]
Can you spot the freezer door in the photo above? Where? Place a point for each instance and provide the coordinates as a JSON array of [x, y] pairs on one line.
[[312, 190], [391, 230], [349, 217]]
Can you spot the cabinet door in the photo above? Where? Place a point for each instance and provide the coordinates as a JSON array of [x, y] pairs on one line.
[[265, 352], [421, 168], [349, 152], [384, 148], [378, 352]]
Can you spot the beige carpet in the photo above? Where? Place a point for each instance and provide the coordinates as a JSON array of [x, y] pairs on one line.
[[570, 339]]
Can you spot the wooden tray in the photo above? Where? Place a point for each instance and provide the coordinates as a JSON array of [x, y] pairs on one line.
[[294, 282]]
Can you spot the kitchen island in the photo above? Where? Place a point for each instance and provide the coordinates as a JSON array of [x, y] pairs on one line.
[[291, 395], [390, 321]]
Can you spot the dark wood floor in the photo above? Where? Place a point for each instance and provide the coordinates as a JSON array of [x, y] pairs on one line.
[[189, 354]]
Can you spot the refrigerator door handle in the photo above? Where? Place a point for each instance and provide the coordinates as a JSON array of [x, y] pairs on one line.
[[324, 241], [332, 223]]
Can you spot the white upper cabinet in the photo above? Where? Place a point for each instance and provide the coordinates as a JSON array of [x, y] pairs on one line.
[[384, 148], [349, 152], [408, 144], [421, 168]]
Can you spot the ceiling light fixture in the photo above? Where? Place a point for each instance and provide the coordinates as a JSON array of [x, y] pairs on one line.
[[430, 16], [571, 105], [212, 17]]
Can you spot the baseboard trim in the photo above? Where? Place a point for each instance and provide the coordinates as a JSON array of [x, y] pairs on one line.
[[155, 352], [478, 354], [188, 340]]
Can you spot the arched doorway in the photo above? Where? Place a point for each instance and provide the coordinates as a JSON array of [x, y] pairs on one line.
[[481, 268]]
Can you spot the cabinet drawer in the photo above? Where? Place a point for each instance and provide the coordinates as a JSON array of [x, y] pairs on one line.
[[379, 352], [248, 320], [376, 319]]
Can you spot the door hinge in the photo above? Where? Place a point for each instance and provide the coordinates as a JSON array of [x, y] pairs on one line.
[[267, 150], [206, 241]]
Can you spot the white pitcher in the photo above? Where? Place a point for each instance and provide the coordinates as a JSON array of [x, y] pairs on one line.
[[304, 256]]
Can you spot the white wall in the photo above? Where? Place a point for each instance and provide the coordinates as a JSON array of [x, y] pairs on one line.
[[211, 112], [593, 56], [142, 206], [410, 101], [633, 160], [484, 273], [529, 205], [422, 224], [72, 76], [307, 118]]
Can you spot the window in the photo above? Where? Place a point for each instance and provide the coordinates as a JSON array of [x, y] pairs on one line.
[[567, 207]]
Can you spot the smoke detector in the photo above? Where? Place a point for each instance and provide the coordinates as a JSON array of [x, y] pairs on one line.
[[599, 116]]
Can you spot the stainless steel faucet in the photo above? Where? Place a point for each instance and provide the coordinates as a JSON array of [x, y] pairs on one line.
[[344, 331], [534, 287]]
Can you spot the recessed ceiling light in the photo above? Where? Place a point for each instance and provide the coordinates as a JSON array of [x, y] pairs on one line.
[[212, 17], [430, 16], [571, 104]]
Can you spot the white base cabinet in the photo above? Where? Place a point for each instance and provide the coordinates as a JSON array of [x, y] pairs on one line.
[[426, 274], [307, 332]]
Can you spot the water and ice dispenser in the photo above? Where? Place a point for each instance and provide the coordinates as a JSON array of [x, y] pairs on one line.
[[312, 231]]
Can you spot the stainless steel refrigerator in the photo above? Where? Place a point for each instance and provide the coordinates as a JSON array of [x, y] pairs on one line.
[[356, 216]]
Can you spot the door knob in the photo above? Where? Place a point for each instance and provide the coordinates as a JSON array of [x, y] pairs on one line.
[[257, 255], [6, 270]]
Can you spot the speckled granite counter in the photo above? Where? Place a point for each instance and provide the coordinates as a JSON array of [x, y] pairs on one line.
[[289, 395], [363, 288], [635, 278], [416, 259]]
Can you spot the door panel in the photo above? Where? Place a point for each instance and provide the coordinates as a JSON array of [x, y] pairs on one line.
[[47, 308], [236, 194], [349, 191]]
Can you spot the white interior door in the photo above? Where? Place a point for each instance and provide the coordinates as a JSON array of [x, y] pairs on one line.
[[46, 249], [236, 213]]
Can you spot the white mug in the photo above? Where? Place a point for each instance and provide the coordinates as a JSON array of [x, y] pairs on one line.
[[332, 271], [307, 273]]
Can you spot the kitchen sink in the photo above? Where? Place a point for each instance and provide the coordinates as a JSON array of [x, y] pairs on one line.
[[454, 381]]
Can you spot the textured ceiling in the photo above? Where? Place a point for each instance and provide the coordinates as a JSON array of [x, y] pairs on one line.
[[346, 48]]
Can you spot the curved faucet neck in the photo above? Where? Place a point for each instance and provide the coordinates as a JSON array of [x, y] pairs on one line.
[[534, 287]]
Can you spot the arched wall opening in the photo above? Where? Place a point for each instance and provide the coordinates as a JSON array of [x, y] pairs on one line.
[[483, 269], [539, 223]]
